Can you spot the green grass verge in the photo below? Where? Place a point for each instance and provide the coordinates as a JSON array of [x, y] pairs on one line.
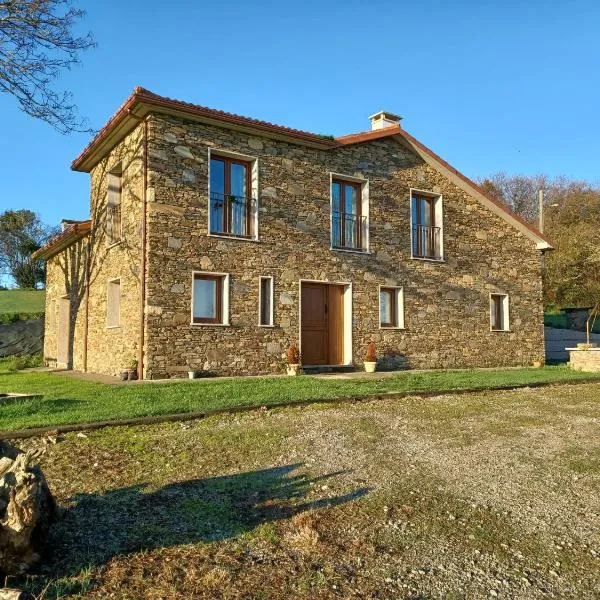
[[67, 401], [22, 301], [12, 364]]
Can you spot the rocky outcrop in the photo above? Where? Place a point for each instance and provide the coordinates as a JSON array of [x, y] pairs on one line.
[[26, 509], [21, 338]]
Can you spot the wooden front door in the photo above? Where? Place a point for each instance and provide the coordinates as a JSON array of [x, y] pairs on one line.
[[63, 333], [322, 324]]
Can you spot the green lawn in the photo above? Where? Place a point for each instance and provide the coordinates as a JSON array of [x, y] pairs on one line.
[[70, 401], [22, 301]]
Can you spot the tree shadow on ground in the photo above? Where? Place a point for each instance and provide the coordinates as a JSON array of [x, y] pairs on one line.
[[101, 526]]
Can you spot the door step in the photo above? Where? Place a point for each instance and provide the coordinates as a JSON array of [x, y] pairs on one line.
[[318, 369]]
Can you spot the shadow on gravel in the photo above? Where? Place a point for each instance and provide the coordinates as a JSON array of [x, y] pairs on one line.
[[100, 526]]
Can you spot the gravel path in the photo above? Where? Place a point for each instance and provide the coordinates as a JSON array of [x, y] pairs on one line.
[[489, 495]]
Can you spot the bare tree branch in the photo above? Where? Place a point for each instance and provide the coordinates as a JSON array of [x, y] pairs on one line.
[[36, 45]]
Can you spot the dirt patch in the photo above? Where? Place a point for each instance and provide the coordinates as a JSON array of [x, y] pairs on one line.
[[487, 495]]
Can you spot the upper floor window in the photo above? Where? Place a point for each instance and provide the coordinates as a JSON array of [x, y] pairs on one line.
[[232, 208], [499, 312], [426, 217], [113, 206], [348, 223]]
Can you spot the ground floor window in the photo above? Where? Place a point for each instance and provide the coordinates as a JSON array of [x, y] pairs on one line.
[[209, 298], [265, 301], [113, 303], [391, 307], [499, 312]]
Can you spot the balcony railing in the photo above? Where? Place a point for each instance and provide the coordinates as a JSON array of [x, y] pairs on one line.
[[426, 242], [348, 231], [232, 215]]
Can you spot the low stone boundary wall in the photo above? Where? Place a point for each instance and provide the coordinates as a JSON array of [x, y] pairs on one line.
[[21, 338], [585, 360]]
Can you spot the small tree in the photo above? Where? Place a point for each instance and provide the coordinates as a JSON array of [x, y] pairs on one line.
[[36, 45], [22, 233]]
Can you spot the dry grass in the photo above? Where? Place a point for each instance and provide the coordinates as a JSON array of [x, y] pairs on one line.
[[447, 497]]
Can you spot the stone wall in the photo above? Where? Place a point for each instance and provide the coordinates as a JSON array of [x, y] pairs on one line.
[[447, 322], [65, 277], [21, 338], [109, 349], [585, 360]]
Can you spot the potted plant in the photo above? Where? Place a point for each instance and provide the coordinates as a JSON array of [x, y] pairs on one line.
[[191, 373], [370, 358], [293, 366], [132, 372]]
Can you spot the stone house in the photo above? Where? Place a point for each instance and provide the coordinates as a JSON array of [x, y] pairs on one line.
[[215, 241]]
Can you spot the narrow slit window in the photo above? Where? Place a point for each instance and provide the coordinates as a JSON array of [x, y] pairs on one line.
[[499, 312], [266, 301], [113, 303]]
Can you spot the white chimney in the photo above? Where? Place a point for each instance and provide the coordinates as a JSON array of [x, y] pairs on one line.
[[384, 119]]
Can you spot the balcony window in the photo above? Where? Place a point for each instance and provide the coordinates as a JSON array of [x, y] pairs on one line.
[[426, 217], [348, 224], [232, 208]]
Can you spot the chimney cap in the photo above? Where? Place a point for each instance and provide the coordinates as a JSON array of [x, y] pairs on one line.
[[386, 115], [383, 118]]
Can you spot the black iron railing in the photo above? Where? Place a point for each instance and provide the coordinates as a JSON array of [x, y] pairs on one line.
[[232, 215], [348, 231], [426, 242]]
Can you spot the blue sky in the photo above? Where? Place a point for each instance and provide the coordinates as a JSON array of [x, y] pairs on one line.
[[489, 86]]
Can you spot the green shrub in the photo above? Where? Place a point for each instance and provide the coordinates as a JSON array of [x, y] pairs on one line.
[[11, 364], [14, 317]]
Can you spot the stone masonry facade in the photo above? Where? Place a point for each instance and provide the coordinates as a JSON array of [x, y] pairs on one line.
[[446, 303]]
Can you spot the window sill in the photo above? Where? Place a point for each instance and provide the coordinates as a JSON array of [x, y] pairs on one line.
[[425, 259], [113, 327], [501, 330], [192, 324], [267, 326], [235, 238], [349, 250], [392, 328]]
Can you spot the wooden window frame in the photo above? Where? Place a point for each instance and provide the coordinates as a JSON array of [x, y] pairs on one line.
[[228, 161], [260, 301], [435, 211], [394, 293], [498, 311], [358, 187], [109, 284], [116, 225], [218, 318]]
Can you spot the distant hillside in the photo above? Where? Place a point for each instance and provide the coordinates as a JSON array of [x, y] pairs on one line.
[[22, 301]]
